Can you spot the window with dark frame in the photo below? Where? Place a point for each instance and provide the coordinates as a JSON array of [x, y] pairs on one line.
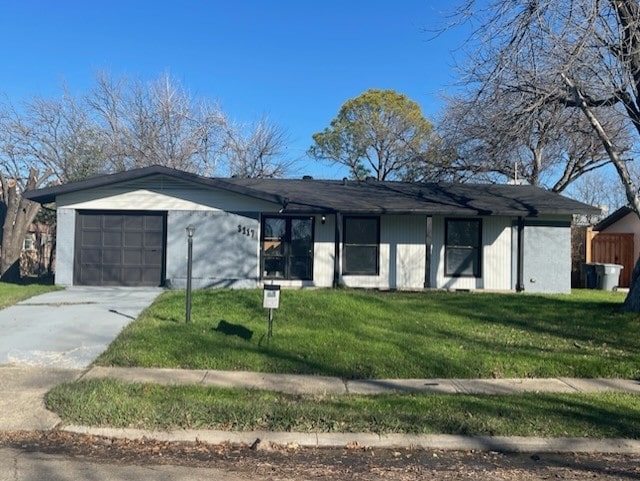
[[463, 241], [361, 246], [287, 248]]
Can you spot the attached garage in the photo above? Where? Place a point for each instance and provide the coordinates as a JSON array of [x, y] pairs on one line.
[[119, 248]]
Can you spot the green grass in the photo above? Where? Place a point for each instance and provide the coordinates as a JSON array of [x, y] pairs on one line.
[[365, 334], [112, 403], [10, 294]]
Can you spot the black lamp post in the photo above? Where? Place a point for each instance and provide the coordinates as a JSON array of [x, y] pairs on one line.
[[190, 230]]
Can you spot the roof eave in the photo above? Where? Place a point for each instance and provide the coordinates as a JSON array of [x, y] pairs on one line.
[[47, 195]]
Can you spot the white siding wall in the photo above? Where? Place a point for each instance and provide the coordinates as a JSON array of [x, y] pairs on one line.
[[496, 268], [177, 196], [402, 255], [324, 252], [496, 257]]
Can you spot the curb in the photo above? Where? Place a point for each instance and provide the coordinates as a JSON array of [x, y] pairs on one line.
[[389, 441]]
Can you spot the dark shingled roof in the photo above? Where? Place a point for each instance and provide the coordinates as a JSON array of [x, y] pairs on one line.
[[416, 198], [368, 197], [613, 218]]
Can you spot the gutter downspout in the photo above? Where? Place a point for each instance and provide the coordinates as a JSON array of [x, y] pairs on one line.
[[520, 263], [336, 251]]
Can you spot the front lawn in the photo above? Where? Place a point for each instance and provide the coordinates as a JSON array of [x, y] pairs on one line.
[[365, 334], [112, 403], [11, 294]]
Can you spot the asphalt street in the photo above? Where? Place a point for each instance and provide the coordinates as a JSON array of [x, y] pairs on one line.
[[18, 465]]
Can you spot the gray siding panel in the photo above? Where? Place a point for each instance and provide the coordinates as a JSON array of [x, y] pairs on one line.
[[547, 259], [65, 245], [223, 256]]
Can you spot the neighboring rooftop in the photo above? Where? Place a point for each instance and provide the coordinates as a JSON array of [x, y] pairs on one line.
[[613, 218]]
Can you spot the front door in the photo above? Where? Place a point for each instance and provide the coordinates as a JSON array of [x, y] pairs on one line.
[[287, 247]]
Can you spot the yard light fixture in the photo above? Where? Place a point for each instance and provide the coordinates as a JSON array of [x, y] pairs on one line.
[[190, 231]]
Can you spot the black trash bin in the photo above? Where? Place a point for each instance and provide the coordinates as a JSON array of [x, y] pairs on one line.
[[591, 278]]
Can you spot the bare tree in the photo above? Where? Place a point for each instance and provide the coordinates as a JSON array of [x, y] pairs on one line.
[[581, 54], [157, 123], [601, 189], [257, 150], [20, 170], [550, 146], [119, 125]]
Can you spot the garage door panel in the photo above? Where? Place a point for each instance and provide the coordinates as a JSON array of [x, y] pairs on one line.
[[134, 222], [112, 239], [151, 259], [150, 274], [153, 239], [112, 256], [90, 256], [120, 248], [91, 275], [154, 224], [132, 275], [133, 239], [112, 222], [133, 257], [91, 222], [90, 238]]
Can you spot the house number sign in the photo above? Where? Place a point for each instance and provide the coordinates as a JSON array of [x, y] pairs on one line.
[[248, 231]]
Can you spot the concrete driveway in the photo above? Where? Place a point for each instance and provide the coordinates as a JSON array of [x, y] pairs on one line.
[[69, 328]]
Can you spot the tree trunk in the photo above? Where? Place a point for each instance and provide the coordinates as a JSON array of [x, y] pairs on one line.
[[632, 302], [19, 213]]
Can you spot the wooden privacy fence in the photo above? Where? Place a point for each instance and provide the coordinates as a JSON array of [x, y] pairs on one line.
[[612, 249]]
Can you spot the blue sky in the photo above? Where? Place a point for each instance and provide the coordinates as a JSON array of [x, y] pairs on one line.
[[296, 62]]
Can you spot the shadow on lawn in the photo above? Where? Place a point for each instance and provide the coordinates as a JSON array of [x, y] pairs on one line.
[[542, 411], [230, 329]]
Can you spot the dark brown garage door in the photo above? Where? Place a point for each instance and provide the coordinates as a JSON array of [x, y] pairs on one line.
[[119, 248]]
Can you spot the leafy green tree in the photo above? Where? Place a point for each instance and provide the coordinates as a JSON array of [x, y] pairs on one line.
[[380, 133]]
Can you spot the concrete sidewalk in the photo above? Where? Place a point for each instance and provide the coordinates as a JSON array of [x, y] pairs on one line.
[[22, 390], [303, 384]]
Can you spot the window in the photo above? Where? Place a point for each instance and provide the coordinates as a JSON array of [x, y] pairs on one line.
[[29, 243], [361, 245], [462, 247], [287, 248]]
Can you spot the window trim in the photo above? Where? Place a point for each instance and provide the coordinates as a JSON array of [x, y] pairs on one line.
[[447, 273], [344, 246], [29, 243], [287, 246]]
